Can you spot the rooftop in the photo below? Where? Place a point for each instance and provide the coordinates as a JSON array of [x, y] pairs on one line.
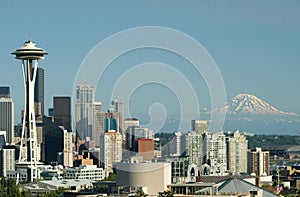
[[29, 51]]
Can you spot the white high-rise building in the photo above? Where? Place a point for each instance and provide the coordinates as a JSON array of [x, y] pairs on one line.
[[111, 149], [7, 160], [85, 111], [131, 122], [237, 148], [200, 126], [65, 157], [99, 122], [215, 154], [194, 150], [7, 114], [180, 143], [90, 172]]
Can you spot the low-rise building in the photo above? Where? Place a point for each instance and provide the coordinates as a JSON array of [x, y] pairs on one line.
[[151, 177], [90, 172]]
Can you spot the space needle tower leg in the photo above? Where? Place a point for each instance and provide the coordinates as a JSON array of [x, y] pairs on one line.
[[28, 158]]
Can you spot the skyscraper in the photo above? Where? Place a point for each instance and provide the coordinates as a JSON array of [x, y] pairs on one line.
[[99, 122], [237, 148], [53, 140], [200, 126], [7, 160], [62, 112], [65, 157], [118, 106], [194, 150], [131, 122], [111, 149], [258, 162], [85, 111], [215, 156], [39, 92], [7, 114]]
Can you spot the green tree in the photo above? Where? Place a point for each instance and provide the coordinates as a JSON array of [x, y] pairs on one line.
[[166, 193], [111, 177], [140, 193]]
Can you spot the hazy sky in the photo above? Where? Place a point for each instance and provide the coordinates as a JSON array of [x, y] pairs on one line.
[[256, 45]]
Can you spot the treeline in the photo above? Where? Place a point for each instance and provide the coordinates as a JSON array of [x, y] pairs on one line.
[[269, 141], [9, 188]]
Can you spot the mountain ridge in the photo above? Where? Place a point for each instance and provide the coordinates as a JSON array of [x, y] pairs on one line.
[[251, 104]]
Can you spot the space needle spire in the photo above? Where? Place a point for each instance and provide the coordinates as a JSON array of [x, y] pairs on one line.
[[29, 55]]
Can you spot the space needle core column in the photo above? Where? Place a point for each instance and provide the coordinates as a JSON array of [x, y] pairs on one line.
[[29, 54]]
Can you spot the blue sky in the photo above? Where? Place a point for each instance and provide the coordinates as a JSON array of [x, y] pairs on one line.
[[256, 44]]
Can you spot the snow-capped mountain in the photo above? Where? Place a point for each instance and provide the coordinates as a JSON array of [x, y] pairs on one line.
[[250, 104], [250, 113]]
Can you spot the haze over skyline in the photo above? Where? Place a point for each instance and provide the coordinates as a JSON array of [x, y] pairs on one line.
[[255, 44]]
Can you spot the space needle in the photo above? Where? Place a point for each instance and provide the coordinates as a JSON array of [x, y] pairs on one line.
[[29, 55]]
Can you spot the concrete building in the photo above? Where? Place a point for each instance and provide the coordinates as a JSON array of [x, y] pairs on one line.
[[7, 160], [151, 177], [180, 166], [145, 148], [215, 154], [258, 162], [131, 122], [194, 148], [111, 149], [111, 121], [72, 185], [200, 126], [53, 140], [99, 119], [180, 141], [7, 114], [65, 157], [118, 106], [62, 112], [85, 111], [133, 133], [90, 172], [237, 148], [83, 159]]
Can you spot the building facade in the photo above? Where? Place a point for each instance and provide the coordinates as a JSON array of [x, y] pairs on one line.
[[39, 92], [62, 112], [200, 126], [151, 177], [99, 122], [90, 172], [65, 157], [111, 149], [259, 162], [7, 114], [85, 111], [145, 148], [7, 160], [215, 153], [237, 148], [194, 148], [118, 106]]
